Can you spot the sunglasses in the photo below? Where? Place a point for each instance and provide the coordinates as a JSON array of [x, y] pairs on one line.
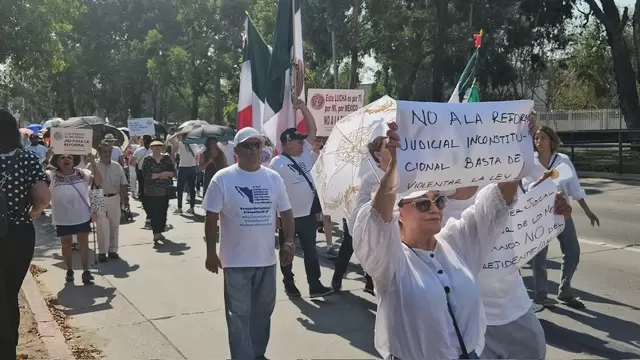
[[250, 145], [423, 205]]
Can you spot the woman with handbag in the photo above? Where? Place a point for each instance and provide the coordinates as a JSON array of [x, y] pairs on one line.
[[71, 210], [158, 171]]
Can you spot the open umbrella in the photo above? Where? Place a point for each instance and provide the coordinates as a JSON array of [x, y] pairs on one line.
[[55, 122], [200, 134], [124, 130], [34, 127], [192, 123], [98, 125]]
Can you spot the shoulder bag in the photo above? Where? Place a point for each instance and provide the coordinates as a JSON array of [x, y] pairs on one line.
[[316, 207]]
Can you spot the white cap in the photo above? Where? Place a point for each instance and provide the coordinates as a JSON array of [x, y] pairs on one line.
[[247, 133]]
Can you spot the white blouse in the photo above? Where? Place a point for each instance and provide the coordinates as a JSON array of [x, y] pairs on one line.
[[412, 321], [369, 185], [570, 187]]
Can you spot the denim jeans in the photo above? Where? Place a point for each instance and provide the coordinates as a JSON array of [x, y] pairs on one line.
[[187, 176], [305, 229], [249, 300], [570, 248]]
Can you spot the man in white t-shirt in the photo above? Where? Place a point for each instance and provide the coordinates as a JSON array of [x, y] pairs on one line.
[[513, 330], [187, 174], [246, 198], [294, 166], [137, 159]]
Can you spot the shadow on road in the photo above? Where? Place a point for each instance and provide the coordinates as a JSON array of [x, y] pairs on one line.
[[83, 299], [336, 316], [577, 342], [172, 248]]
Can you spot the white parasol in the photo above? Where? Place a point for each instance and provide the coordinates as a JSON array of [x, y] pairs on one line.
[[344, 161]]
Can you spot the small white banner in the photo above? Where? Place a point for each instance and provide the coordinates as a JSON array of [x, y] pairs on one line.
[[71, 141], [141, 126], [452, 145], [328, 106], [531, 226]]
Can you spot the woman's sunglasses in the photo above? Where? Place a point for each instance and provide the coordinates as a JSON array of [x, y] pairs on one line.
[[423, 205], [250, 145]]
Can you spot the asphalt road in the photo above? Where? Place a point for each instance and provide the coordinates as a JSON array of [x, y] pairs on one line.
[[158, 302], [617, 205]]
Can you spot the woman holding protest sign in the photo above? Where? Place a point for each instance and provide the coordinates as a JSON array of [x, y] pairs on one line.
[[547, 159], [413, 263]]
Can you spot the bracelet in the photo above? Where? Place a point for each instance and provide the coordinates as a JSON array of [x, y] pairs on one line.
[[290, 245]]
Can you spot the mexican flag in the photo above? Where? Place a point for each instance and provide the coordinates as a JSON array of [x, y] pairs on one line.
[[253, 78], [466, 89], [286, 51]]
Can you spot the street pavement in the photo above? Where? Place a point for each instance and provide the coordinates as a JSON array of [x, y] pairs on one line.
[[161, 303]]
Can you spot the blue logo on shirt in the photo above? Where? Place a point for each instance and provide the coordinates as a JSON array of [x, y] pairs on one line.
[[246, 192]]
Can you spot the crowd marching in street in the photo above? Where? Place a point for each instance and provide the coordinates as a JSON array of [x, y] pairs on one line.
[[422, 251]]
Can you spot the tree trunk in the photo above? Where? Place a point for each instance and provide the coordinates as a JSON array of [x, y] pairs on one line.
[[623, 69], [636, 34], [355, 39], [218, 112], [437, 80], [195, 104]]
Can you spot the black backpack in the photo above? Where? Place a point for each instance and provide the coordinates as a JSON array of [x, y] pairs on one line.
[[4, 209]]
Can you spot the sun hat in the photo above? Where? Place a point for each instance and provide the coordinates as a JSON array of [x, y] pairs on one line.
[[156, 143], [247, 133]]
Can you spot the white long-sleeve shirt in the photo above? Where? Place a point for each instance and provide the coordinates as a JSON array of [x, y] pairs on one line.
[[369, 185], [570, 187], [412, 321]]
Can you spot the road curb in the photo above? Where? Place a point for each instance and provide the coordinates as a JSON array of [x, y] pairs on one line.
[[47, 327], [608, 176]]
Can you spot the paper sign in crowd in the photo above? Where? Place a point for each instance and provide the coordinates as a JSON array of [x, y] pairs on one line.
[[71, 141], [532, 224], [328, 106], [141, 126], [448, 145]]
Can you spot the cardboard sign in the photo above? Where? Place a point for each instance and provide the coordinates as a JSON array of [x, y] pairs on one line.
[[329, 106], [531, 226], [451, 145], [71, 141], [141, 126]]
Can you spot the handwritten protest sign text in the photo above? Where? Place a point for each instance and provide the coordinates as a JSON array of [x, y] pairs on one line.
[[449, 145], [141, 126], [531, 226]]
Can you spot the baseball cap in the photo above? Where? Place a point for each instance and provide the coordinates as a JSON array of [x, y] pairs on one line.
[[291, 134], [247, 133]]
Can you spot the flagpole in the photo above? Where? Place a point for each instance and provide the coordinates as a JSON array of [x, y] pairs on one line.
[[293, 68]]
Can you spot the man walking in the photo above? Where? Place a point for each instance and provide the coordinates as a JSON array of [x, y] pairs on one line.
[[294, 166], [246, 198], [114, 185]]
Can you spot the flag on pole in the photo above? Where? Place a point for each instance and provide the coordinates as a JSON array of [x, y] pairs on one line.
[[465, 87], [253, 78], [286, 51]]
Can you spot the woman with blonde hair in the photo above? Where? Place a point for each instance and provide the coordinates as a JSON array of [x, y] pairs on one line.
[[547, 157]]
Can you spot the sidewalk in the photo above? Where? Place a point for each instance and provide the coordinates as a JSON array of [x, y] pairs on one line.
[[161, 303]]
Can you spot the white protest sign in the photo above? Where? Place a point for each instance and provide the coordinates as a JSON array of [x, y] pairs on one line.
[[531, 226], [451, 145], [328, 106], [141, 126], [71, 141]]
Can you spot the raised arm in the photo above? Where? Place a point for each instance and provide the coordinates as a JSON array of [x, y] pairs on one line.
[[376, 232], [312, 130]]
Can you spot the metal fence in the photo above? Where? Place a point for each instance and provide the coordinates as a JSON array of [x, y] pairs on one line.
[[577, 120]]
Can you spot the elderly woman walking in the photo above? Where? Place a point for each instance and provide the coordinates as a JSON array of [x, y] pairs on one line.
[[114, 185], [429, 304], [23, 196], [158, 171]]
